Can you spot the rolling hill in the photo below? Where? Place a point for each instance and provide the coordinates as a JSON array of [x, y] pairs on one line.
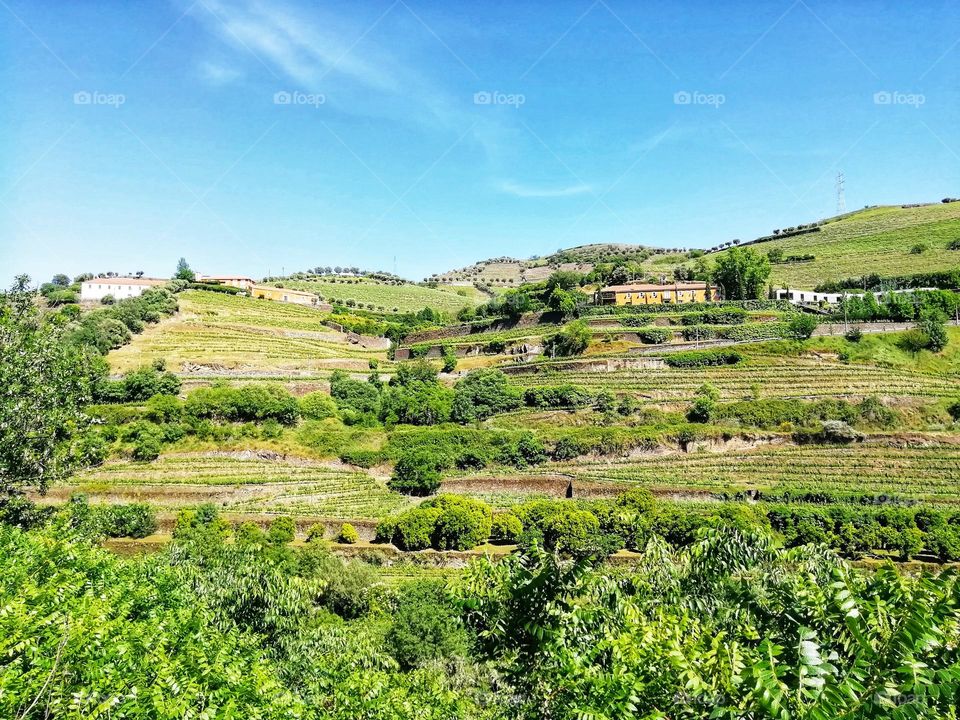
[[882, 240]]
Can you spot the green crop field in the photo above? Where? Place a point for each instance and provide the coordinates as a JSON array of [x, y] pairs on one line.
[[800, 377], [879, 240], [385, 297], [930, 471], [242, 485], [216, 329]]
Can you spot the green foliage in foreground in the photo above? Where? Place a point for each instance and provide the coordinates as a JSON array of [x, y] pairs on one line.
[[731, 627]]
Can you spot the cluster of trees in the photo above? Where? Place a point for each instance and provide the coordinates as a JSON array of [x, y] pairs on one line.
[[111, 327], [898, 307]]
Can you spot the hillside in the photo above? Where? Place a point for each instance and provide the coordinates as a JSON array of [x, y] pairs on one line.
[[387, 296], [215, 332], [881, 240]]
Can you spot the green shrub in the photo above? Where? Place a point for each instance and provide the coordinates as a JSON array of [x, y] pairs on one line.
[[317, 406], [505, 528], [426, 627], [414, 529], [571, 340], [164, 408], [136, 520], [482, 394], [249, 534], [316, 533], [463, 522], [146, 448], [702, 358], [954, 410], [348, 534], [570, 531], [801, 326], [654, 335], [919, 249], [854, 335], [282, 530], [556, 397], [362, 458], [416, 473]]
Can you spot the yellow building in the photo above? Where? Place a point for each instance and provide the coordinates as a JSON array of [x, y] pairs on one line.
[[297, 297], [656, 294]]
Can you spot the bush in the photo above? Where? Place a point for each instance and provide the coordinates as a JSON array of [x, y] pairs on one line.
[[654, 335], [137, 520], [854, 335], [556, 397], [801, 326], [317, 406], [249, 534], [463, 523], [505, 528], [146, 448], [282, 530], [919, 249], [414, 529], [316, 533], [571, 340], [416, 473], [932, 323], [482, 394], [570, 531], [362, 458], [348, 534], [954, 410], [164, 408], [702, 358], [426, 627]]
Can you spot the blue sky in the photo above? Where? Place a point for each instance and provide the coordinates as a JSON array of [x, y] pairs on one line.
[[255, 136]]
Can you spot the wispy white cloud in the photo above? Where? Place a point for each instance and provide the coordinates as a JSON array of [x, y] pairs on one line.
[[302, 48], [531, 191], [217, 73]]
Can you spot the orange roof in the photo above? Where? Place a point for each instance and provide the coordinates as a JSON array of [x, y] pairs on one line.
[[654, 288], [125, 281]]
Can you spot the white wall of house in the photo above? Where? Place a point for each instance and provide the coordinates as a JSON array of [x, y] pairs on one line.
[[803, 297], [99, 288]]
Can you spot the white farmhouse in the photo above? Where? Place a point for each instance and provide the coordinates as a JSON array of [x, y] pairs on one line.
[[120, 288]]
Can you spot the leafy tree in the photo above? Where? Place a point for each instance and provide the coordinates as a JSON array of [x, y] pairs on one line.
[[932, 323], [348, 534], [704, 404], [61, 280], [573, 339], [482, 394], [801, 325], [184, 272], [417, 472], [44, 385], [742, 274], [426, 627]]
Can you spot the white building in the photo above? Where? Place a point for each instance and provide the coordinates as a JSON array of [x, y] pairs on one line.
[[809, 297], [121, 288]]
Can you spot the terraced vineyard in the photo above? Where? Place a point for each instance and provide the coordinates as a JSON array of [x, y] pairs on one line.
[[930, 471], [239, 485], [386, 297], [878, 240], [770, 377], [231, 332]]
